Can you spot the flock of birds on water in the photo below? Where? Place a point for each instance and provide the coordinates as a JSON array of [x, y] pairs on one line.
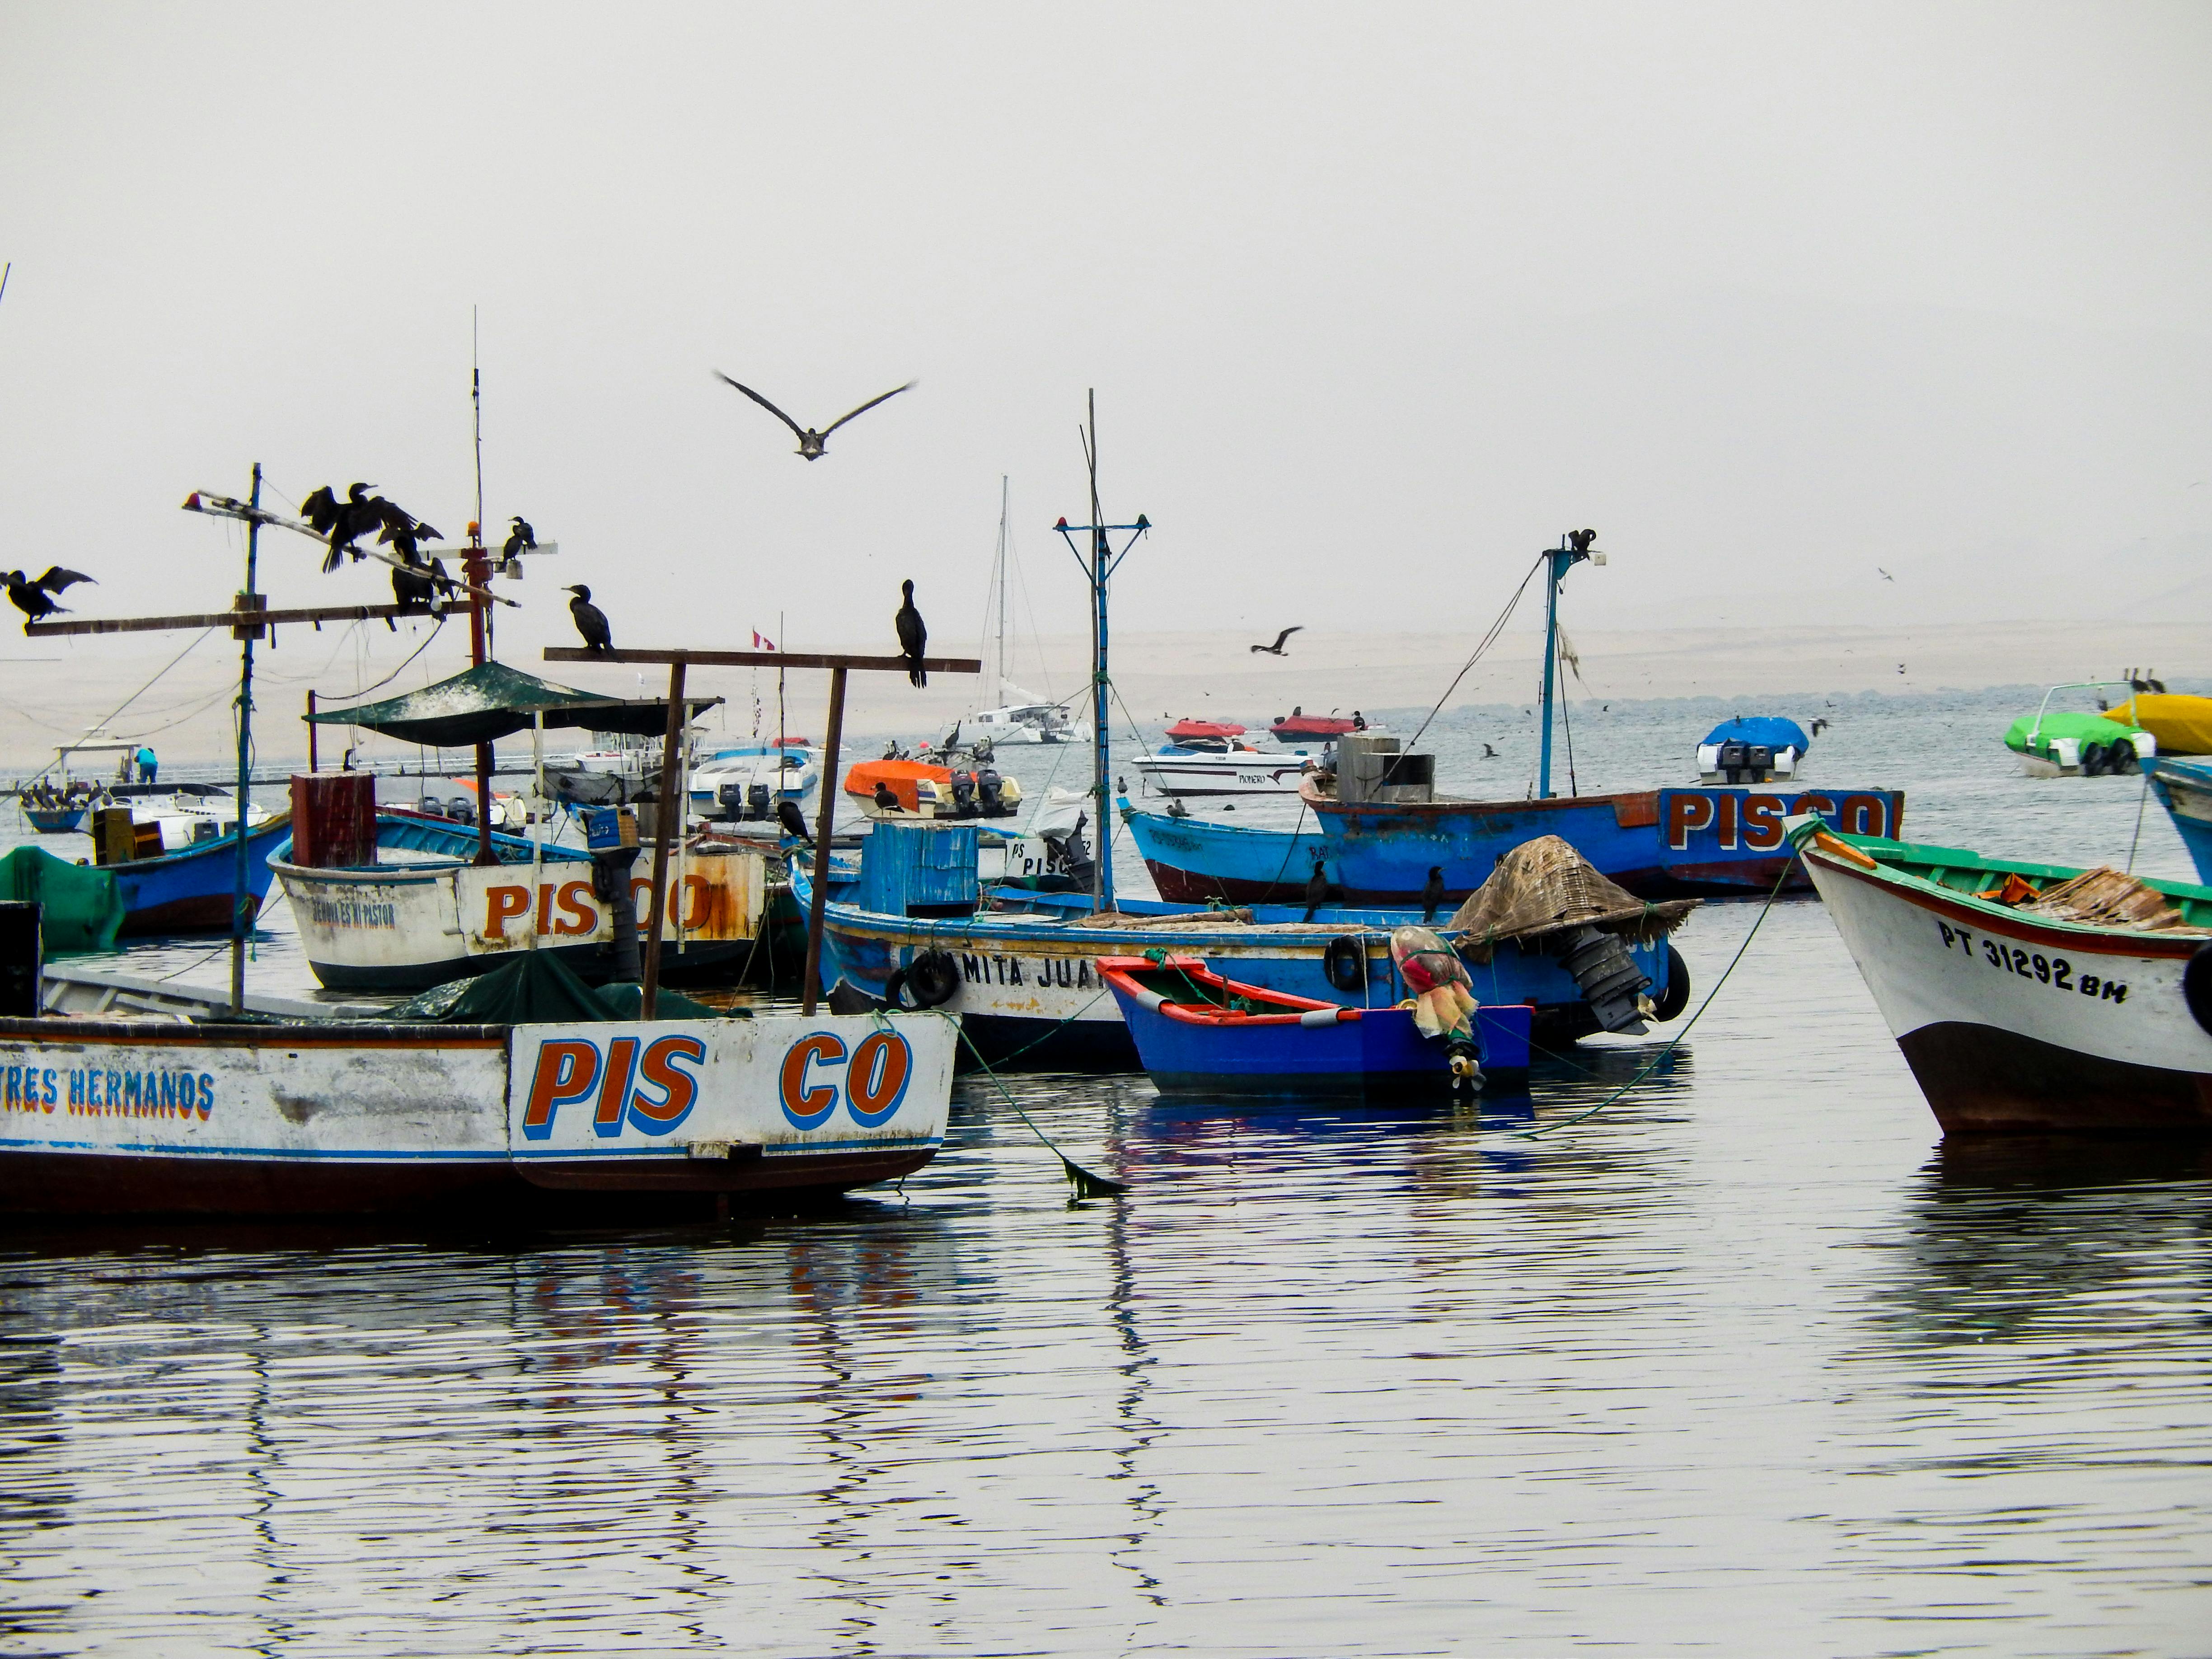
[[342, 521]]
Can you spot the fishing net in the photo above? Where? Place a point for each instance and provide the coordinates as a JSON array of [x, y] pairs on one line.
[[1543, 885], [81, 908]]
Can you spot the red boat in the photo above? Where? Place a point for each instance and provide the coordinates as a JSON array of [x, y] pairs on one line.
[[1183, 730], [1296, 724]]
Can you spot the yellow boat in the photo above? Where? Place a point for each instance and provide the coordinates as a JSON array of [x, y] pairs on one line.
[[2183, 726]]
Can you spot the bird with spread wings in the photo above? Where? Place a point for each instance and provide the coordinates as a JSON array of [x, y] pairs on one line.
[[811, 443], [1276, 649], [35, 600]]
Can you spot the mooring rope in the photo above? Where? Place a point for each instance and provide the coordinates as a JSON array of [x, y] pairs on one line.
[[1667, 1049], [1087, 1184]]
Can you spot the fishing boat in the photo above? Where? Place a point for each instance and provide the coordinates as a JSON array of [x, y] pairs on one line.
[[2184, 789], [2030, 998], [194, 889], [171, 1112], [54, 811], [911, 926], [1762, 749], [1209, 766], [1199, 861], [2068, 743], [892, 789], [1198, 1033]]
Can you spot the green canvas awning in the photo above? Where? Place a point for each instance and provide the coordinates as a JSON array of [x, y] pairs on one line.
[[494, 700]]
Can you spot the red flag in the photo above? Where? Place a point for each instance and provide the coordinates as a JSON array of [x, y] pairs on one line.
[[762, 643]]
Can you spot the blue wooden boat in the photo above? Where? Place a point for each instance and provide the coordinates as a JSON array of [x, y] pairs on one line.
[[2184, 789], [1658, 843], [190, 891], [1199, 1033], [54, 820]]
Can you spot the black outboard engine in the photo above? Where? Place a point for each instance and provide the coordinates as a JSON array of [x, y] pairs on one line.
[[1760, 760], [757, 798], [732, 798], [461, 810], [1735, 758], [610, 877], [986, 792], [963, 794]]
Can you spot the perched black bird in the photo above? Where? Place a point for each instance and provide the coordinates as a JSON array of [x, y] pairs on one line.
[[1276, 649], [810, 442], [521, 540], [1432, 895], [591, 620], [35, 600], [913, 636], [414, 589], [1317, 889], [885, 797], [402, 530], [793, 820]]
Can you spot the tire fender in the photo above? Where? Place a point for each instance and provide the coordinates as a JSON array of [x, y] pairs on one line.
[[1676, 997], [2196, 987], [1344, 963]]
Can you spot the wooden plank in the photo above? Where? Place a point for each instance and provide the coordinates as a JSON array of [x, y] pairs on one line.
[[229, 619], [765, 659]]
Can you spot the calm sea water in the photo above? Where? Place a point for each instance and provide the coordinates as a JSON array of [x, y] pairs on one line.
[[1748, 1363]]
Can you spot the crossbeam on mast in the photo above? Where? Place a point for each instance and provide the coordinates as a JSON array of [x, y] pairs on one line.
[[256, 619], [765, 659], [227, 507]]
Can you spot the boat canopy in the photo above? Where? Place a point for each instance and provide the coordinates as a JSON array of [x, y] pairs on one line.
[[1770, 730], [493, 701]]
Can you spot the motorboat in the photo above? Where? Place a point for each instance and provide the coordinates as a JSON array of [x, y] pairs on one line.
[[1228, 765], [2071, 742], [1298, 726], [1020, 723], [895, 788], [1188, 728], [745, 783], [1763, 749]]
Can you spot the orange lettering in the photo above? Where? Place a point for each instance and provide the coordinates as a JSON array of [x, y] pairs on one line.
[[566, 1071], [1686, 812], [581, 917], [809, 1107], [502, 904]]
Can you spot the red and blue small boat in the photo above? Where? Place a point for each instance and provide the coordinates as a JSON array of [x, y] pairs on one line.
[[1199, 1033]]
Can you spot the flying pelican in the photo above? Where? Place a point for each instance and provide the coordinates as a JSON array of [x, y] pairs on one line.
[[1276, 649], [810, 442]]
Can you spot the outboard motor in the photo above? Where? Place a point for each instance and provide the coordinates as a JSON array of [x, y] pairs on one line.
[[758, 797], [732, 798], [963, 794], [1761, 759], [461, 810], [1611, 981], [1735, 756], [986, 792]]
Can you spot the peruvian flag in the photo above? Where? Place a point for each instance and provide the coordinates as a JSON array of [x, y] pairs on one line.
[[762, 643]]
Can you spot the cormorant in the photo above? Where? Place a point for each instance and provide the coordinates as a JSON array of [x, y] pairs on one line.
[[810, 442], [793, 820], [402, 530], [591, 620], [885, 797], [1276, 649], [913, 635], [415, 589], [521, 540], [1316, 890], [35, 600], [1432, 895]]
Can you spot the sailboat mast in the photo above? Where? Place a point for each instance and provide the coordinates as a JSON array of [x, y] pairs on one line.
[[1001, 576], [1101, 883]]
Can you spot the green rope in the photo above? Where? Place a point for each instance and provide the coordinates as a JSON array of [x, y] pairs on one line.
[[1086, 1185], [1666, 1051]]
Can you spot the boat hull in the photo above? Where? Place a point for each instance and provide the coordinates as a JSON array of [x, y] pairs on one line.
[[2184, 789], [1202, 776], [100, 1117], [1665, 843], [2012, 1025], [54, 823], [193, 890]]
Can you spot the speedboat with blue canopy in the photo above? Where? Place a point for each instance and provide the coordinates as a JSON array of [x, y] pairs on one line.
[[1756, 748]]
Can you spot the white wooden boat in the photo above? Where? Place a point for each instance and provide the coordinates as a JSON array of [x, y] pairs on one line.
[[426, 912], [103, 1115], [2028, 998], [1225, 766]]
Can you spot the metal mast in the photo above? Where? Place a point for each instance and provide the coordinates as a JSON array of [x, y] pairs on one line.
[[241, 900]]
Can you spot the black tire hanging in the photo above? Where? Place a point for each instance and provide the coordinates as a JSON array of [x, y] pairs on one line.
[[1671, 1002], [1344, 963], [2196, 985], [929, 981]]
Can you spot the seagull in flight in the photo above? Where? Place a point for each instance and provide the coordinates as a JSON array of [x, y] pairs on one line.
[[810, 442], [1276, 649], [1884, 574]]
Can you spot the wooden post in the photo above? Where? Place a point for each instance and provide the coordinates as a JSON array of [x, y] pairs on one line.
[[649, 999], [809, 986], [311, 731]]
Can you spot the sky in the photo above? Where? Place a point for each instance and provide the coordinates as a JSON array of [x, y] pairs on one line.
[[1376, 301]]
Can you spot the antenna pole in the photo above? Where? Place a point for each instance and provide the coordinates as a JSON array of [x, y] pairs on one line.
[[241, 898], [1553, 571], [1001, 693], [479, 572]]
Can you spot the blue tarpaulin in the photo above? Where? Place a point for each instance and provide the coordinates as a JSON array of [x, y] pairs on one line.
[[1768, 729]]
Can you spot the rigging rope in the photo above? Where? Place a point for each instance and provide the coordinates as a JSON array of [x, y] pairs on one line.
[[1481, 646]]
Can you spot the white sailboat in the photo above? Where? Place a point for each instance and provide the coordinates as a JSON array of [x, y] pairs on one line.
[[1023, 716]]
